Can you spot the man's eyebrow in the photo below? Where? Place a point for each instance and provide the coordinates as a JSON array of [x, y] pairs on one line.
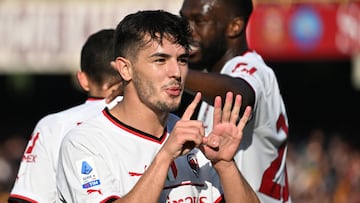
[[158, 54], [167, 55], [184, 55]]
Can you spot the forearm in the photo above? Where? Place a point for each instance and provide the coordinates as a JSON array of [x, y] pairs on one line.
[[236, 188], [151, 183], [218, 85]]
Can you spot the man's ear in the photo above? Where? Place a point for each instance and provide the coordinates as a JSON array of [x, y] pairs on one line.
[[236, 27], [83, 80], [123, 66]]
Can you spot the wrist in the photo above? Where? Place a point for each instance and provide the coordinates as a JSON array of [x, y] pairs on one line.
[[164, 158], [223, 165]]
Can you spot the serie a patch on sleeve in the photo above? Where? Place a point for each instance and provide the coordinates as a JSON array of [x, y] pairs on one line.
[[87, 173]]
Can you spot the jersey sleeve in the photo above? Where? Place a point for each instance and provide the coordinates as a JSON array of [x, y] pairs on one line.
[[249, 70], [83, 175], [265, 135], [37, 163]]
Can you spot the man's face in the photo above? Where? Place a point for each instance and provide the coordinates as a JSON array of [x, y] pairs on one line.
[[208, 21], [159, 75]]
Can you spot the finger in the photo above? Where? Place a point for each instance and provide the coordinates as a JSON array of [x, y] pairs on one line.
[[226, 112], [244, 119], [191, 108], [213, 141], [236, 109], [217, 110]]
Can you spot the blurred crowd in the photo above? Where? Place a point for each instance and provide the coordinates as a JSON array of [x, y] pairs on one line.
[[11, 151], [324, 168], [321, 167]]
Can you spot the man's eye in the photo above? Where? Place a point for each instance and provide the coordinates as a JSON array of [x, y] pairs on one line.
[[184, 61], [200, 21], [160, 60]]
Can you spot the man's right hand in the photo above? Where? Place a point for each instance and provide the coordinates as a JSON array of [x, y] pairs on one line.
[[186, 133]]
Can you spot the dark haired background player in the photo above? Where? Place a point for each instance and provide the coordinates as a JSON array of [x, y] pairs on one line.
[[220, 48], [36, 178]]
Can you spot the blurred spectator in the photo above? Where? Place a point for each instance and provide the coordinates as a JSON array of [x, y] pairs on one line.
[[11, 151], [324, 168]]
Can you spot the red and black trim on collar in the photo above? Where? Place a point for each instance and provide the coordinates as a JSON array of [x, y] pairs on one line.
[[133, 130]]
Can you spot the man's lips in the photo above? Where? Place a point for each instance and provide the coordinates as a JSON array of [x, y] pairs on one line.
[[174, 91]]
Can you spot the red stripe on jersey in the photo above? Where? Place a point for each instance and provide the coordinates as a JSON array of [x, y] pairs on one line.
[[219, 199], [94, 98], [281, 124], [174, 169], [31, 147], [134, 131], [15, 197], [110, 199]]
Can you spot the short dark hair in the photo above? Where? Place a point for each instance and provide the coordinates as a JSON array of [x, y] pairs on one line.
[[96, 55], [158, 24]]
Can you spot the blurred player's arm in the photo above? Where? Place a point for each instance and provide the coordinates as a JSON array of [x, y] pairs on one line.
[[220, 84]]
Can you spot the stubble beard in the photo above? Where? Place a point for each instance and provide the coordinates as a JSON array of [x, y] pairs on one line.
[[148, 95]]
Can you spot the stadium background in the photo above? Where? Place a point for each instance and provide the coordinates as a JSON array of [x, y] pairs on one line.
[[313, 47]]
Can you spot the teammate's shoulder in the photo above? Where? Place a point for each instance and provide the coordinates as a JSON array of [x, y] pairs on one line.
[[171, 120], [86, 132], [173, 117]]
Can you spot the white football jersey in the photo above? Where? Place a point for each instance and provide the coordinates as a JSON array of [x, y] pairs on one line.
[[36, 177], [262, 152], [103, 158]]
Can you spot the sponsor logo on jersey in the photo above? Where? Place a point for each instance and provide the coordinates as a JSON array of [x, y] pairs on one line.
[[85, 168], [193, 163], [88, 173], [188, 199], [243, 67], [29, 158], [91, 184]]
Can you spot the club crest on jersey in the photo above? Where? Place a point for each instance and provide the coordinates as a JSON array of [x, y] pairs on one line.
[[87, 173], [193, 163]]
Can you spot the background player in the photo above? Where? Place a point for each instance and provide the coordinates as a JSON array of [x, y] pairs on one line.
[[220, 46], [36, 179], [126, 154]]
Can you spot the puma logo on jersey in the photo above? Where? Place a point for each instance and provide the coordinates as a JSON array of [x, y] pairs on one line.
[[137, 173], [89, 191]]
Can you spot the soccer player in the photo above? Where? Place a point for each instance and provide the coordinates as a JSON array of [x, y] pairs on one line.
[[137, 151], [36, 179], [220, 48]]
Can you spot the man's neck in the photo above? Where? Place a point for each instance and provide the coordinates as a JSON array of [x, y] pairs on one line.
[[140, 117]]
